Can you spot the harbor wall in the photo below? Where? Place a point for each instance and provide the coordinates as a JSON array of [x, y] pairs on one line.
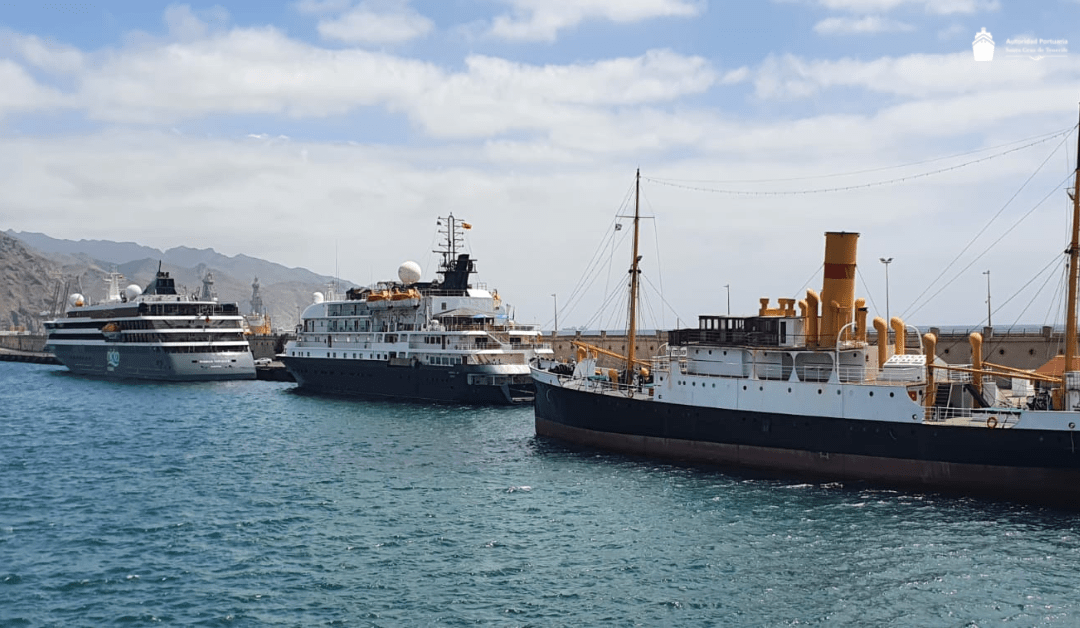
[[22, 342]]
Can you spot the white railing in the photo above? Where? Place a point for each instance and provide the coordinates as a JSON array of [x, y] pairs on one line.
[[975, 417]]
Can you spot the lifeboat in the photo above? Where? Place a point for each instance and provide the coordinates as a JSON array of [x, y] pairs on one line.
[[410, 297], [111, 331], [378, 299]]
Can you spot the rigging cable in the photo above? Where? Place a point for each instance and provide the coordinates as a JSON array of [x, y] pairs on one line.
[[982, 231], [671, 183], [1041, 137], [987, 249]]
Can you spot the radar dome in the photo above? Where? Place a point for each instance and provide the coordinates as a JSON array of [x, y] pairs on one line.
[[76, 300], [409, 273], [317, 297], [132, 291]]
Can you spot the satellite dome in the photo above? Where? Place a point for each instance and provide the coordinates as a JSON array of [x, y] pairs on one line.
[[132, 291], [409, 273], [317, 297], [76, 300]]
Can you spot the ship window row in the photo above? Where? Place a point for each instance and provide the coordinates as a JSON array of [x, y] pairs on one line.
[[188, 323], [180, 337], [344, 354], [444, 360], [188, 309], [346, 309], [332, 325], [205, 349], [96, 335]]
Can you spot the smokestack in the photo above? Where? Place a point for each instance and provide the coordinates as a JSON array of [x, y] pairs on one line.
[[839, 285]]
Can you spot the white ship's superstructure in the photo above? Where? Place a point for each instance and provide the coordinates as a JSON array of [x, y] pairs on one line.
[[445, 340], [155, 334]]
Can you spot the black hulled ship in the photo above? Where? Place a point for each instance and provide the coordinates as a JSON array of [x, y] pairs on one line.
[[803, 393], [449, 339]]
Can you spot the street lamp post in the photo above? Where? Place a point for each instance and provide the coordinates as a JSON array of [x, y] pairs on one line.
[[887, 261], [988, 323], [728, 286], [556, 298]]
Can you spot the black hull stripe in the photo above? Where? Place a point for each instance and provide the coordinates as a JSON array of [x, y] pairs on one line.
[[371, 379], [1026, 465]]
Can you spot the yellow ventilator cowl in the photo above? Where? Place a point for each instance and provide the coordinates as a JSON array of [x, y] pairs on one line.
[[882, 341], [901, 334], [976, 341]]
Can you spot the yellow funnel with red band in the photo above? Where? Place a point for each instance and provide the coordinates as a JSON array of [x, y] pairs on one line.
[[838, 289]]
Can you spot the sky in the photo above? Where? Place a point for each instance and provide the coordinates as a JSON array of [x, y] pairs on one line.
[[331, 135]]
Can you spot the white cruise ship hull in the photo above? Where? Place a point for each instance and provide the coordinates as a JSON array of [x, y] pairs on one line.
[[130, 361]]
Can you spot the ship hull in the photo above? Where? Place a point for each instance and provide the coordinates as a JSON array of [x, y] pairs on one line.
[[149, 362], [1027, 465], [408, 381]]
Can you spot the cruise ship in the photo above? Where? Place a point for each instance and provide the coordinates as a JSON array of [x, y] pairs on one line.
[[152, 334], [445, 340], [802, 392]]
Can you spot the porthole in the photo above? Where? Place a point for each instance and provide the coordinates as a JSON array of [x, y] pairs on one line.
[[871, 393], [1001, 352], [744, 387], [761, 388], [819, 391], [892, 394], [789, 389], [946, 352]]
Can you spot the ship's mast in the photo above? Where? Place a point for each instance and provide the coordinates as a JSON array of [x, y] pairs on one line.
[[632, 332], [1074, 253], [453, 238]]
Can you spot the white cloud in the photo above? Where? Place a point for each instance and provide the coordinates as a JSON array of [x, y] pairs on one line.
[[541, 20], [917, 75], [262, 71], [939, 7], [247, 71], [370, 23], [322, 7], [183, 24], [868, 24], [522, 150], [494, 95], [48, 56], [22, 93], [952, 32]]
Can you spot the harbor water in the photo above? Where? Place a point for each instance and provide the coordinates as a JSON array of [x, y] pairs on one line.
[[247, 504]]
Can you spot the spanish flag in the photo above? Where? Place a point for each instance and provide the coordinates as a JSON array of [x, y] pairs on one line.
[[465, 225]]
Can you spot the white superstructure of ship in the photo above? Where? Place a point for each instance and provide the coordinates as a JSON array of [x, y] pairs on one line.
[[441, 340], [156, 334]]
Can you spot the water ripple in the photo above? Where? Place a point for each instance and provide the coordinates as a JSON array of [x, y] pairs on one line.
[[244, 504]]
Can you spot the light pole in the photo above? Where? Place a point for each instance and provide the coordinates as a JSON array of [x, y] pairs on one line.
[[887, 261], [988, 323], [728, 286], [556, 298]]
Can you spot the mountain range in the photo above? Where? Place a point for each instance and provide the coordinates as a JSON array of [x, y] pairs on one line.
[[38, 272]]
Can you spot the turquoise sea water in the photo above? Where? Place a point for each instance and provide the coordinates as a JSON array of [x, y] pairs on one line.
[[245, 504]]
